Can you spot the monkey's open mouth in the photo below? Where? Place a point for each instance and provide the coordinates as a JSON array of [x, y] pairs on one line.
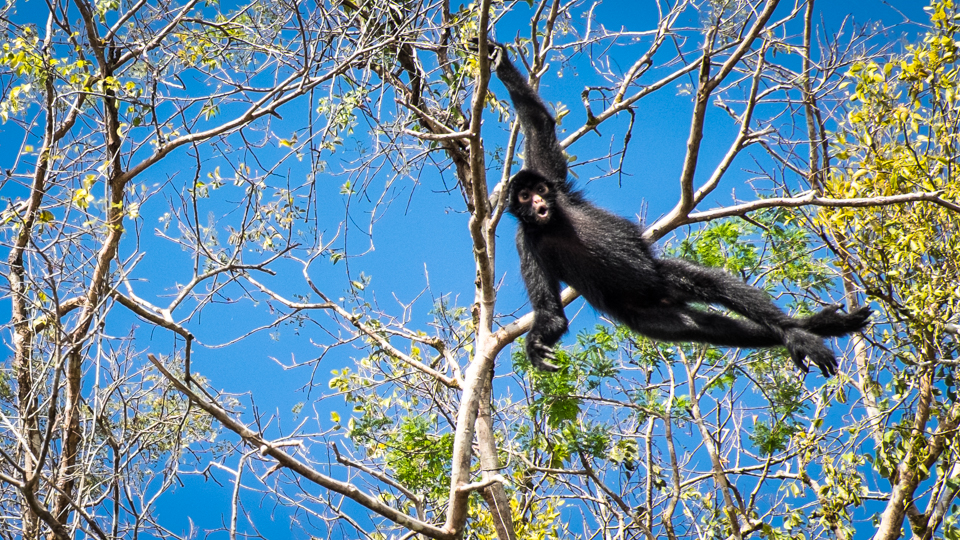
[[542, 214]]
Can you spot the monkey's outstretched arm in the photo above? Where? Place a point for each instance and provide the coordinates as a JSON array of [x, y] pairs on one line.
[[549, 321], [542, 152]]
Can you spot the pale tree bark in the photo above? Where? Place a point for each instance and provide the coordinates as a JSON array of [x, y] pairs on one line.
[[30, 449]]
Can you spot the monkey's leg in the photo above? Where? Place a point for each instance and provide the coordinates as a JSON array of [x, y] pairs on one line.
[[697, 283], [692, 282], [687, 324]]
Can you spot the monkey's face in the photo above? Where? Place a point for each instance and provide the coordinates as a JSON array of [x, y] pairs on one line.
[[534, 203]]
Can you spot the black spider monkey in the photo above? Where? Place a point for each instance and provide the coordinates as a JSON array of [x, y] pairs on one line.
[[562, 237]]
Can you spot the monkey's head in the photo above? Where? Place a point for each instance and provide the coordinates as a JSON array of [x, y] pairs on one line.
[[532, 198]]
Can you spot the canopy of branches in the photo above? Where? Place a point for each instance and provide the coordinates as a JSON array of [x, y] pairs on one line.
[[260, 284]]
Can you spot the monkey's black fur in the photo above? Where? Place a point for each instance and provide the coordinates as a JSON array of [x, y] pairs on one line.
[[562, 237]]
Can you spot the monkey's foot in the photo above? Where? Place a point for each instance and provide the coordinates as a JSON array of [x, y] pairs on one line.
[[540, 354], [830, 322], [804, 345]]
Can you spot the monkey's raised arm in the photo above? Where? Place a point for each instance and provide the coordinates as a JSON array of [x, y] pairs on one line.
[[542, 152]]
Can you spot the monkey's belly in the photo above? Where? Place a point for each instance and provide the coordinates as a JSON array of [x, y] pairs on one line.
[[614, 287]]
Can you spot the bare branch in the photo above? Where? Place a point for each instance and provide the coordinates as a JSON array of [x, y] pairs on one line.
[[267, 448]]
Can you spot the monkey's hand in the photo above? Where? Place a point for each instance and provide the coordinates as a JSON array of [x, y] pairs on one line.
[[802, 344], [540, 354], [495, 51]]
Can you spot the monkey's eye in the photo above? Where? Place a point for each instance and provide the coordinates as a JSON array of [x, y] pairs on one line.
[[542, 189], [523, 196]]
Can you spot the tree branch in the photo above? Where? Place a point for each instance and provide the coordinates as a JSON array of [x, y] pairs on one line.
[[267, 448]]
